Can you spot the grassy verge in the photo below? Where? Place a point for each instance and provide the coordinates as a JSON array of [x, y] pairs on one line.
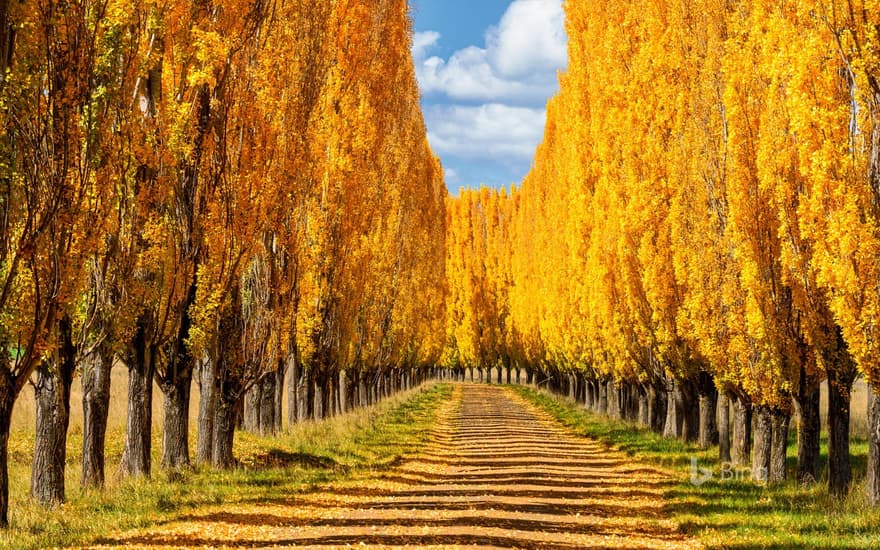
[[735, 512], [271, 469]]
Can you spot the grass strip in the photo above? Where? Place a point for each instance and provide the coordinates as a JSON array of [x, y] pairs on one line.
[[732, 511]]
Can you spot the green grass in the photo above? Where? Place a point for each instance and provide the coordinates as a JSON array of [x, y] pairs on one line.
[[272, 468], [736, 513]]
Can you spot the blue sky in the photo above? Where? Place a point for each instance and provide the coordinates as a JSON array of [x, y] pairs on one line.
[[486, 69]]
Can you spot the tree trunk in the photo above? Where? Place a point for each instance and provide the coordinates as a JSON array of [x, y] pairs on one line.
[[708, 426], [307, 394], [267, 404], [839, 468], [252, 400], [724, 426], [602, 402], [779, 445], [690, 409], [139, 424], [761, 452], [52, 396], [342, 406], [175, 435], [872, 485], [530, 377], [207, 412], [672, 426], [657, 408], [278, 398], [224, 433], [293, 392], [363, 397], [742, 431], [644, 418], [318, 404], [175, 381], [96, 407], [7, 401], [613, 410], [809, 429]]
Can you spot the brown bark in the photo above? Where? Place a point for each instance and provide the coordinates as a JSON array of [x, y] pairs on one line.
[[363, 395], [207, 412], [306, 394], [839, 467], [657, 407], [96, 407], [690, 409], [267, 404], [724, 426], [809, 429], [278, 396], [761, 452], [7, 400], [602, 402], [741, 443], [175, 433], [52, 396], [139, 423], [872, 484], [224, 432], [779, 445], [252, 400], [673, 425], [644, 416], [708, 410], [293, 391], [175, 382]]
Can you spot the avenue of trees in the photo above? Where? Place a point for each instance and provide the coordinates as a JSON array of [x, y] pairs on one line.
[[227, 192], [240, 194], [700, 230]]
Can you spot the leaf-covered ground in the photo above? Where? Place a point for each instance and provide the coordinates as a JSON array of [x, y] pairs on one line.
[[497, 472]]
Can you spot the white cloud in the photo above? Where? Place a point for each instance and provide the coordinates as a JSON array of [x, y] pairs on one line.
[[517, 65], [529, 38], [485, 131], [422, 42]]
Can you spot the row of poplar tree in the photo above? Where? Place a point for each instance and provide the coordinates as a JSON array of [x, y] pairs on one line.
[[701, 226], [235, 189]]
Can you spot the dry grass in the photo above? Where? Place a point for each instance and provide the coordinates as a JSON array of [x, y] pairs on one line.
[[24, 413]]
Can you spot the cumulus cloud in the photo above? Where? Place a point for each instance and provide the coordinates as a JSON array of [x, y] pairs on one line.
[[484, 104], [486, 131], [422, 42], [530, 38], [517, 65]]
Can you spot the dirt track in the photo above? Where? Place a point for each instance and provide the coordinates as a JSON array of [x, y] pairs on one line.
[[497, 474]]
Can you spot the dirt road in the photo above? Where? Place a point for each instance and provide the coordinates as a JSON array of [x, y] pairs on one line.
[[497, 473]]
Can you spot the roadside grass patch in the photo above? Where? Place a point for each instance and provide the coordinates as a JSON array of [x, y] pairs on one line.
[[270, 469], [736, 512]]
